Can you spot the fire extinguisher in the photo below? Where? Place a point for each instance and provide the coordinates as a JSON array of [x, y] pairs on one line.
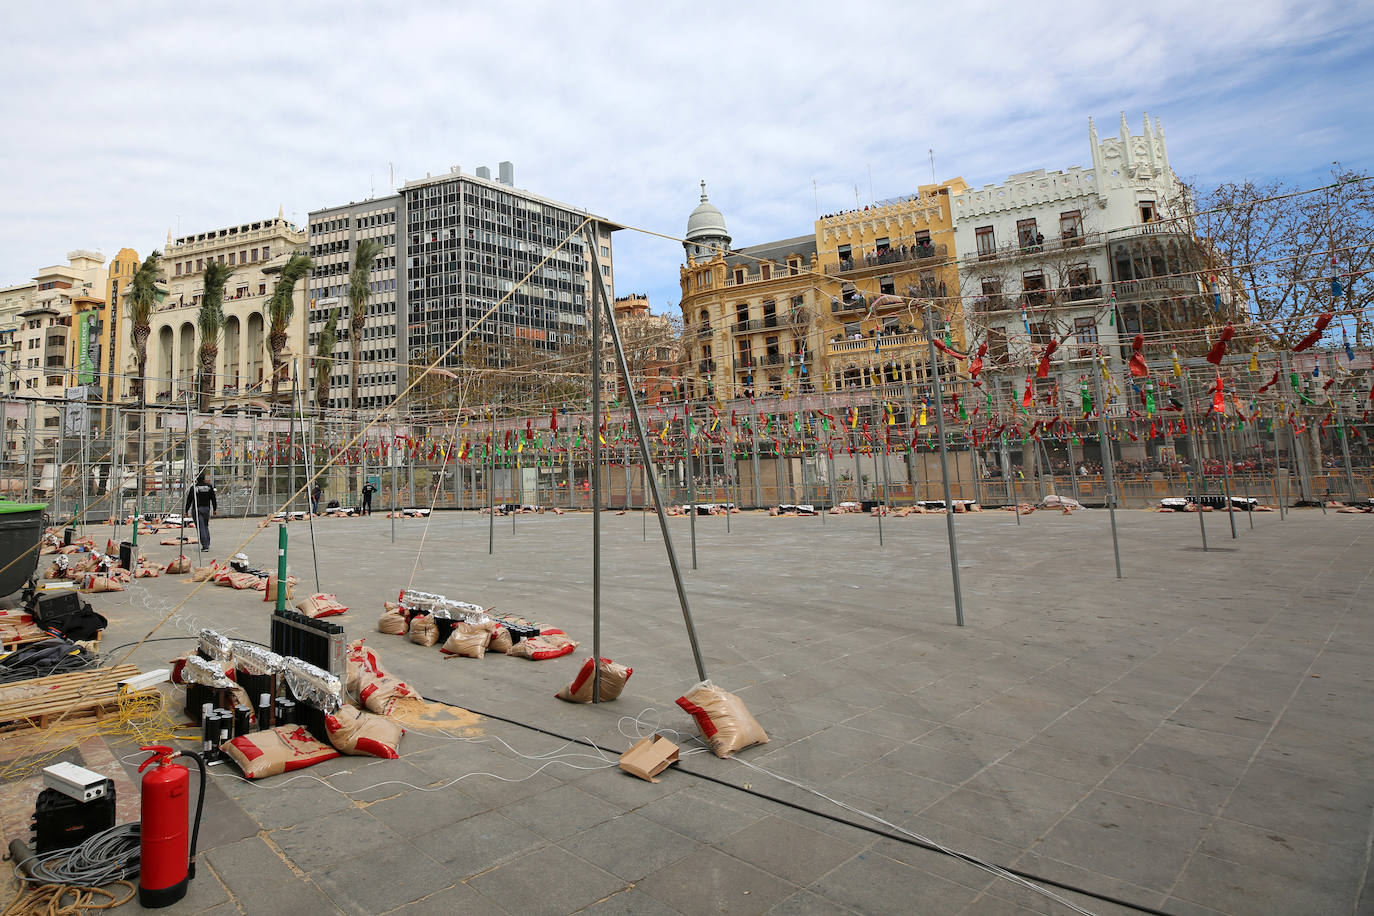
[[167, 854]]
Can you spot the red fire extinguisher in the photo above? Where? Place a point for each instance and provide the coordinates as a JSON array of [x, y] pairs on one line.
[[167, 854]]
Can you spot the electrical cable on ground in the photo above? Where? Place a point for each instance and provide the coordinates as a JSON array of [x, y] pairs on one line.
[[903, 837]]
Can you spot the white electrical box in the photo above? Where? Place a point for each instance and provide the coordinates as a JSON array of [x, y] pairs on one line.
[[75, 782]]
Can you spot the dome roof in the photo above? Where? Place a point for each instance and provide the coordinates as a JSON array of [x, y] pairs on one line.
[[706, 220]]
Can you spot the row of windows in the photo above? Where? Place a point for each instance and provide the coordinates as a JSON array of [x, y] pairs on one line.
[[235, 258]]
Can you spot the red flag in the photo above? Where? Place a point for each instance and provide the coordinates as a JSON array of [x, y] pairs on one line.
[[553, 420], [1322, 321], [1043, 370], [1269, 384], [1138, 367], [949, 351], [1218, 350], [1219, 397], [1028, 398], [976, 365]]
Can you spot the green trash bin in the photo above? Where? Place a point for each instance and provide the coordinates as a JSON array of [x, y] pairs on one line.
[[21, 529]]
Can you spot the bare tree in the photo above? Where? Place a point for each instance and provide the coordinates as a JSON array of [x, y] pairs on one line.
[[1279, 245]]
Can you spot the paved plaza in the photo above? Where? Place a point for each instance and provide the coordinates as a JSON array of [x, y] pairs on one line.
[[1195, 738]]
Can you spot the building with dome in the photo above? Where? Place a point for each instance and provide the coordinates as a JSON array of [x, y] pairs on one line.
[[840, 307]]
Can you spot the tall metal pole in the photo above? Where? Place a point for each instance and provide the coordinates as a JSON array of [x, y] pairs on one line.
[[1108, 456], [1196, 463], [880, 498], [597, 296], [944, 469], [1226, 476], [308, 459], [491, 492], [648, 465], [691, 475], [754, 454], [31, 435], [114, 483], [1344, 432]]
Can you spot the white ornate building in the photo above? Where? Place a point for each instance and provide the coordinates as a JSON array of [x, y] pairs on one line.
[[1035, 252]]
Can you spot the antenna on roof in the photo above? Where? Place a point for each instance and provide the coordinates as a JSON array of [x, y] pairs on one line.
[[932, 165]]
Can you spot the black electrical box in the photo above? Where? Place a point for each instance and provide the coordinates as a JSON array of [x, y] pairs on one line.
[[61, 822], [52, 610], [126, 554], [68, 535]]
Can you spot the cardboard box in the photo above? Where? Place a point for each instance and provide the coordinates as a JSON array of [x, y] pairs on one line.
[[649, 757]]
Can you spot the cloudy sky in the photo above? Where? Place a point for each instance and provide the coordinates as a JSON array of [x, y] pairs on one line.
[[127, 120]]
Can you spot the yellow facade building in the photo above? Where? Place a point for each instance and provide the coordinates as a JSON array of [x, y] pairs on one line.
[[843, 307]]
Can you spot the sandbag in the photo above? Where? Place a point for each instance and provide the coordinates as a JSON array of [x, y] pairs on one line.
[[203, 573], [721, 716], [423, 630], [276, 750], [467, 639], [392, 620], [374, 688], [613, 678], [103, 584], [500, 639], [180, 565], [363, 734], [539, 648], [271, 594], [243, 580], [320, 605]]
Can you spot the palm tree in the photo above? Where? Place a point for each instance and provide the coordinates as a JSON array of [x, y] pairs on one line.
[[363, 256], [324, 357], [140, 303], [280, 308], [210, 322]]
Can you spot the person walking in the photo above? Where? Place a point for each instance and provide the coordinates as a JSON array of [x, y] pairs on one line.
[[315, 493], [368, 490], [201, 498]]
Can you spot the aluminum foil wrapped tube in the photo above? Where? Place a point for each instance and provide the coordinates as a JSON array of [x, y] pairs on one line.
[[216, 647], [313, 685], [256, 659], [425, 603], [206, 673]]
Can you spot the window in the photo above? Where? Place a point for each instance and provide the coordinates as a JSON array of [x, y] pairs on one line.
[[243, 257], [1147, 211], [882, 244], [742, 312], [1033, 284], [1026, 234], [992, 293], [266, 252], [997, 344], [794, 266], [1041, 333], [262, 289], [1071, 228], [178, 268], [765, 271], [739, 275], [887, 285], [845, 252], [1085, 330], [200, 264], [242, 291], [255, 253], [605, 252], [987, 243], [770, 313], [771, 343]]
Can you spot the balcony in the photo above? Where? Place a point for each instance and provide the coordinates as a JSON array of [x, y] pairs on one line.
[[891, 256], [771, 359], [1146, 288], [1019, 249], [882, 344], [704, 332], [1085, 291]]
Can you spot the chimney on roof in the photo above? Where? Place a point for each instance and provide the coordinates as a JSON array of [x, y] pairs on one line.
[[484, 172], [506, 171]]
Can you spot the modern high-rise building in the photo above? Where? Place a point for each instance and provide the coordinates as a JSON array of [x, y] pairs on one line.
[[454, 245]]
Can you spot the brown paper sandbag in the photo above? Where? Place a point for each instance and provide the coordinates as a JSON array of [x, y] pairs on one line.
[[424, 631], [276, 750], [271, 593], [613, 678], [539, 648], [105, 584], [203, 573], [392, 620], [359, 733], [724, 721], [180, 565], [466, 639], [500, 640]]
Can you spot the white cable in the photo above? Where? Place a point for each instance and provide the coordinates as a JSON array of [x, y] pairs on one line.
[[987, 866]]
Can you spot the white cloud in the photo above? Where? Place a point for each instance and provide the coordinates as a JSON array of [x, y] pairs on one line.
[[128, 121]]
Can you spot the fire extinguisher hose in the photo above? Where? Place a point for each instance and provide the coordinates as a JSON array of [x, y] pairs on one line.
[[200, 806]]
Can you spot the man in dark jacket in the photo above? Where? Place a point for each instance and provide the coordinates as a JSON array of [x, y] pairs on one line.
[[201, 498], [368, 490]]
